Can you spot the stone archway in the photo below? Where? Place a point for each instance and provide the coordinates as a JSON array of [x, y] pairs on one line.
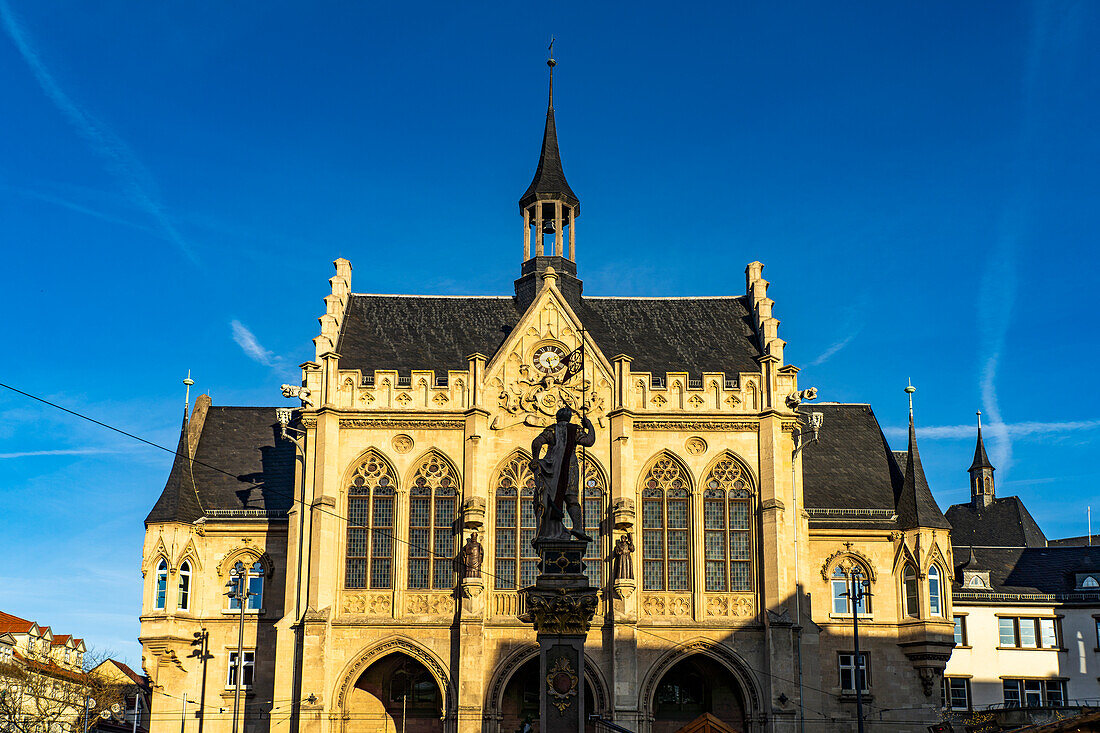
[[397, 694], [699, 678]]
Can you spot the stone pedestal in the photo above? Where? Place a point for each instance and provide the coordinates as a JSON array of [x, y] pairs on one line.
[[561, 604]]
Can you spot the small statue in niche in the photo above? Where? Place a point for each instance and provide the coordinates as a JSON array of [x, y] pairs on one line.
[[623, 564], [469, 559]]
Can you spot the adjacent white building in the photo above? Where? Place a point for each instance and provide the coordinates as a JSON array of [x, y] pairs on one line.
[[1026, 610]]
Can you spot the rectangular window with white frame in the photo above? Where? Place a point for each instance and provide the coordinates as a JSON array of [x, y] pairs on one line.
[[960, 631], [956, 693], [1030, 633], [247, 669], [848, 672], [1034, 693]]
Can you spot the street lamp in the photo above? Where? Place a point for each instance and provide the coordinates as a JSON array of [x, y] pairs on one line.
[[857, 591], [237, 590]]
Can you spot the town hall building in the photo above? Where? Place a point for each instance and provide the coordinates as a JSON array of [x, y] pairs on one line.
[[384, 522]]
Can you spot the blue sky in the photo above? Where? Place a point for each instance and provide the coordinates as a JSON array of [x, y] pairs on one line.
[[176, 178]]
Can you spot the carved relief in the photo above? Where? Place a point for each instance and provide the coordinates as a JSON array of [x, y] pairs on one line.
[[727, 426], [664, 605], [695, 446], [532, 399], [372, 604], [402, 443], [424, 604], [562, 683], [380, 423], [730, 605]]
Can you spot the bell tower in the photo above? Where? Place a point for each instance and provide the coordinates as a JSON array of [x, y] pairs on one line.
[[550, 210], [981, 473]]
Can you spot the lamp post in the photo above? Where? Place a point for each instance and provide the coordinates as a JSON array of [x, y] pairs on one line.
[[857, 592], [237, 590], [89, 703]]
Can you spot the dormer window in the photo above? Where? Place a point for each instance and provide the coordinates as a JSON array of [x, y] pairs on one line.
[[976, 582], [1090, 582]]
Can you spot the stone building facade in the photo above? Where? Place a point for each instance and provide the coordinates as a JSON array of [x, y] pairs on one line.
[[722, 525]]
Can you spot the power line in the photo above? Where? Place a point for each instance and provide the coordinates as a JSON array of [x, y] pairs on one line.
[[382, 533]]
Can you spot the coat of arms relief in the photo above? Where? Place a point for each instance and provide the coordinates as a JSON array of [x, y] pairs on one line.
[[543, 372]]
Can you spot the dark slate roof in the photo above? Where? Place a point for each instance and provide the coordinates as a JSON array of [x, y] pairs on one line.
[[549, 181], [406, 332], [916, 505], [850, 466], [238, 464], [1004, 523], [981, 460], [1030, 570], [1081, 541], [179, 501]]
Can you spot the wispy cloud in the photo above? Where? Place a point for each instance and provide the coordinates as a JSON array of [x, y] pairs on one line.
[[121, 160], [835, 347], [80, 208], [248, 343], [1013, 430], [60, 452]]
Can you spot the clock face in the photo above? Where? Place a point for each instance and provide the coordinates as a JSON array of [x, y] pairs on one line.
[[548, 358]]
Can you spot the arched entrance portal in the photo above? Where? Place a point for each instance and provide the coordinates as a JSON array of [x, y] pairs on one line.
[[396, 694], [521, 699], [692, 688]]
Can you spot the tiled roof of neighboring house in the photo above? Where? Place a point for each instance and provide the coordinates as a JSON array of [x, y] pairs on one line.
[[239, 464], [1081, 541], [49, 667], [60, 640], [1006, 522], [661, 335], [1029, 569], [14, 624]]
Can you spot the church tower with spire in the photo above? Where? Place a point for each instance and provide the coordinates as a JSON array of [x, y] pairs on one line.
[[981, 473], [550, 210]]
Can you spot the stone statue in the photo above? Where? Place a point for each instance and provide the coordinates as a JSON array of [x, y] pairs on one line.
[[469, 559], [623, 566], [557, 476]]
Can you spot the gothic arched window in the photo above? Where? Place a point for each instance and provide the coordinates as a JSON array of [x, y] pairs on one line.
[[909, 592], [934, 596], [184, 602], [371, 499], [593, 504], [1090, 582], [727, 528], [665, 491], [162, 585], [433, 506], [516, 561]]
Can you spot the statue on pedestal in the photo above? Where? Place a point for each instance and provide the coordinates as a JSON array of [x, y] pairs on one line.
[[469, 559], [623, 568], [557, 476]]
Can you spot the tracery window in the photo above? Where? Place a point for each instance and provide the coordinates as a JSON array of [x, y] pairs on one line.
[[162, 586], [371, 499], [934, 602], [727, 533], [516, 561], [184, 601], [841, 587], [665, 526], [593, 505], [433, 506]]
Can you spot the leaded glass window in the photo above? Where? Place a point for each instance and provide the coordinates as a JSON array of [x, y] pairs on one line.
[[593, 505], [727, 528], [371, 499], [516, 563], [665, 491], [433, 505]]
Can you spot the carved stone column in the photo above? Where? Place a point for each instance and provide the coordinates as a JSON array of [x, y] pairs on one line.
[[561, 604]]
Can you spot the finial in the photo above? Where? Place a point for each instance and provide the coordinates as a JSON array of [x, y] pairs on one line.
[[909, 390], [979, 414], [187, 395], [551, 63]]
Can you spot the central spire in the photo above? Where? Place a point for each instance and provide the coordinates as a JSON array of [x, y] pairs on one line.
[[549, 206]]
